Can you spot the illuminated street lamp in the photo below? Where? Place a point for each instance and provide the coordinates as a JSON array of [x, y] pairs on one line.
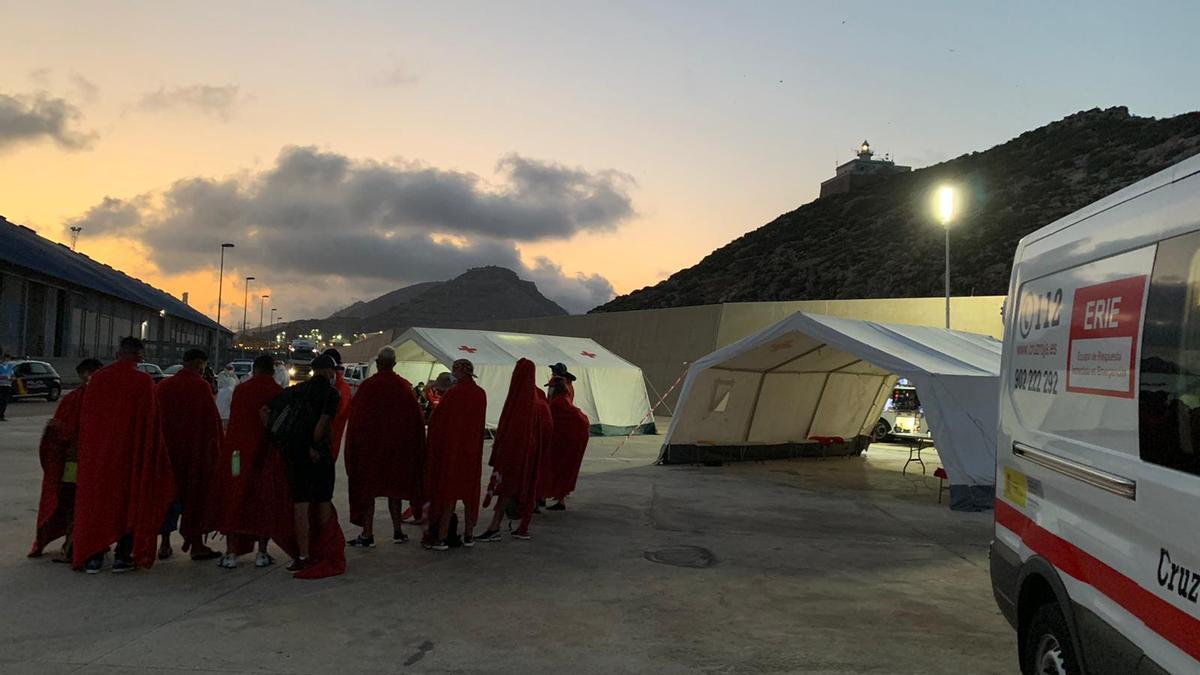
[[947, 207], [220, 284], [261, 303], [245, 301]]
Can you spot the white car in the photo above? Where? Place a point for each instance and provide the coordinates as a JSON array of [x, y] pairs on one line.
[[354, 374], [1096, 556]]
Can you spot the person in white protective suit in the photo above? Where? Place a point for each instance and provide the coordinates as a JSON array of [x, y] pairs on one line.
[[226, 381]]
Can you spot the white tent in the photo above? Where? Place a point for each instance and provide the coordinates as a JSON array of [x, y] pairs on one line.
[[608, 388], [808, 376]]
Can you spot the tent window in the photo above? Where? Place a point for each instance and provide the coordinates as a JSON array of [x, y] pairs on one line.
[[720, 395]]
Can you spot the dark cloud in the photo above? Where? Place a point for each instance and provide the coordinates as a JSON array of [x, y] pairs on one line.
[[38, 116], [326, 222], [88, 91], [212, 100]]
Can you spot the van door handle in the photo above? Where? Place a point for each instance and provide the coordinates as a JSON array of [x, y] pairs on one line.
[[1109, 482]]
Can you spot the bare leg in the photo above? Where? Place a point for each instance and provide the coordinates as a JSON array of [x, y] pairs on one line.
[[470, 516], [526, 517], [396, 509], [498, 514], [444, 524], [369, 524], [300, 521], [324, 512]]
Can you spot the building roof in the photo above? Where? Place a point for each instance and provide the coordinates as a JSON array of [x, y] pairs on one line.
[[23, 247]]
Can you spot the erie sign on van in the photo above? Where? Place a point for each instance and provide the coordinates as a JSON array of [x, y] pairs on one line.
[[1102, 353]]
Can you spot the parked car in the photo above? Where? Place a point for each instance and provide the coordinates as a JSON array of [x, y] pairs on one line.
[[153, 371], [241, 368], [902, 413], [1095, 560], [35, 379], [354, 373]]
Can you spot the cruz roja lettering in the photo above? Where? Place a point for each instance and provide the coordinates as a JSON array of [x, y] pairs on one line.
[[1176, 577]]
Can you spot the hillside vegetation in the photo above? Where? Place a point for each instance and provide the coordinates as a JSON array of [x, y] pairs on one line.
[[884, 242]]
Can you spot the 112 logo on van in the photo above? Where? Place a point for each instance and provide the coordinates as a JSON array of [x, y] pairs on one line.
[[1039, 311], [1102, 353]]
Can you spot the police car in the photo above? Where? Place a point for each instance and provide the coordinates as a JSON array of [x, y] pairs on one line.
[[35, 379], [1096, 555]]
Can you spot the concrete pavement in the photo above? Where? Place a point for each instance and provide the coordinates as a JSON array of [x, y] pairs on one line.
[[833, 566]]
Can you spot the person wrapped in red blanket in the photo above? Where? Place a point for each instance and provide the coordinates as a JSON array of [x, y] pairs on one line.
[[385, 449], [257, 506], [571, 432], [124, 484], [192, 432], [59, 455], [522, 436], [453, 464]]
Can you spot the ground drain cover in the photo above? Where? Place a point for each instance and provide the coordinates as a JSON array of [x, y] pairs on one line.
[[682, 556]]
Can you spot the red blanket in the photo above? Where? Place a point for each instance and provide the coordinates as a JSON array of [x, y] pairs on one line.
[[327, 547], [191, 428], [343, 413], [571, 432], [453, 465], [125, 483], [256, 501], [60, 436], [385, 443], [516, 450]]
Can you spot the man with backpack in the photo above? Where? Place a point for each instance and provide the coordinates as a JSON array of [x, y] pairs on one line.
[[300, 420]]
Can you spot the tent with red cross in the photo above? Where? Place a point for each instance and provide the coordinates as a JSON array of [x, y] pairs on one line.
[[609, 389]]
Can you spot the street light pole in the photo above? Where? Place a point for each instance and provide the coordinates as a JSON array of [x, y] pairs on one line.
[[220, 288], [261, 303], [946, 206], [947, 277], [245, 301]]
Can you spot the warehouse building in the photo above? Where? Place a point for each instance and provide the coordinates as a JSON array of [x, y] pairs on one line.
[[61, 306]]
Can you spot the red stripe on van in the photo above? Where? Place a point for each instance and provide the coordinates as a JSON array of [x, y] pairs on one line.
[[1173, 624]]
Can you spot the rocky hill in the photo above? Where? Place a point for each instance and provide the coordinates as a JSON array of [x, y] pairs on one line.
[[883, 241], [369, 308], [481, 294]]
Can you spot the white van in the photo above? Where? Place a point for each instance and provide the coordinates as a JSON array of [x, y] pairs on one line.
[[1096, 556]]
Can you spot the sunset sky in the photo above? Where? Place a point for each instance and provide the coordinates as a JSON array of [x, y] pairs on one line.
[[351, 149]]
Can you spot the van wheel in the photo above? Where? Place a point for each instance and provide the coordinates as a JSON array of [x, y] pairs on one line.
[[881, 431], [52, 393], [1048, 646]]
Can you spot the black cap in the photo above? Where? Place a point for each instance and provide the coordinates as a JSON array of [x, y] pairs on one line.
[[560, 370], [323, 361]]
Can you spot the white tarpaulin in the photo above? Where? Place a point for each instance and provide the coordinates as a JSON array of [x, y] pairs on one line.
[[812, 376], [609, 389]]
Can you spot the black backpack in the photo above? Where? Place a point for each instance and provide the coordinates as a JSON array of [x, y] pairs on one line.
[[289, 421]]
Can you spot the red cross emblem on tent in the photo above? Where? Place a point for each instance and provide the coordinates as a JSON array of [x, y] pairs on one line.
[[469, 350], [780, 346], [587, 354]]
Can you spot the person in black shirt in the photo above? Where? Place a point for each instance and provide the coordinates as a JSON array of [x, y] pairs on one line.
[[307, 451]]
